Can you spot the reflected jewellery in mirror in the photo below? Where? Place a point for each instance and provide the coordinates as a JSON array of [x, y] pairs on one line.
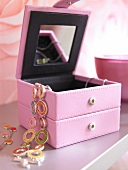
[[54, 44]]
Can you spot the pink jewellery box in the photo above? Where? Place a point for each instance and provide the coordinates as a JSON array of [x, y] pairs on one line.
[[79, 108]]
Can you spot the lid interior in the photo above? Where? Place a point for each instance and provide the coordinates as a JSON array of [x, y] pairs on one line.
[[44, 31]]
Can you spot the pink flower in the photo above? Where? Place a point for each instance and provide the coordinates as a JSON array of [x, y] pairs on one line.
[[11, 18]]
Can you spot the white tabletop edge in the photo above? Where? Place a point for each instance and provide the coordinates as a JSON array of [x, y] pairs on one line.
[[116, 151]]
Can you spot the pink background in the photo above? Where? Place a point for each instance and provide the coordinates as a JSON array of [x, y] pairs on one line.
[[107, 33]]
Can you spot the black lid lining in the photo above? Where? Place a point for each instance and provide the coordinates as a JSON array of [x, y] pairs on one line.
[[49, 18]]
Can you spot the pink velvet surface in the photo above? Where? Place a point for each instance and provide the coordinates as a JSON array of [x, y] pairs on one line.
[[107, 34]]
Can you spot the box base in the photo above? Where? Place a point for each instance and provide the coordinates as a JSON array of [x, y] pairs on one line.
[[69, 131]]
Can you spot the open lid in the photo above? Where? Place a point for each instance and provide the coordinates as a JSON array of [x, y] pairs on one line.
[[56, 53]]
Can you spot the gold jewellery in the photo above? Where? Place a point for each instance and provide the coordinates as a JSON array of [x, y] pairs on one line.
[[25, 154], [43, 58], [7, 136], [90, 79]]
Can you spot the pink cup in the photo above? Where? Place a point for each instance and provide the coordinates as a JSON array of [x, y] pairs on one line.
[[114, 68]]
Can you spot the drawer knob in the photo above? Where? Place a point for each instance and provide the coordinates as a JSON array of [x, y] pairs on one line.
[[92, 101], [92, 126]]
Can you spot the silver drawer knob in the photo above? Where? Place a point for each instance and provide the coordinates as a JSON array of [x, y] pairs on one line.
[[92, 101], [92, 126]]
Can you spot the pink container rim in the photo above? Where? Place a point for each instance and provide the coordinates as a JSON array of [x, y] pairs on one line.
[[113, 58]]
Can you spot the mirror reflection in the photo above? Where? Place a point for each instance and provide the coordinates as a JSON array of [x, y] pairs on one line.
[[54, 44]]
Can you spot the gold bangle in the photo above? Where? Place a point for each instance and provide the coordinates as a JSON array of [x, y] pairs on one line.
[[39, 106], [44, 140], [27, 140], [35, 154]]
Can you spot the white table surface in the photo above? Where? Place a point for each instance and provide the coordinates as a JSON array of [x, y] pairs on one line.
[[95, 154]]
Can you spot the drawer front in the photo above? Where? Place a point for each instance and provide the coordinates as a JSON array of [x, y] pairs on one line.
[[86, 101], [68, 104], [73, 130], [77, 129]]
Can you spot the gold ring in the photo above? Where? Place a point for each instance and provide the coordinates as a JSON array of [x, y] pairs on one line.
[[44, 140], [32, 122], [25, 145], [48, 87], [33, 107], [86, 84], [39, 106], [43, 122], [35, 154], [104, 81], [34, 93], [20, 151], [37, 84], [39, 147], [27, 140], [41, 90]]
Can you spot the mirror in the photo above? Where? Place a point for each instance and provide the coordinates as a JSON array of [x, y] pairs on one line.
[[54, 44]]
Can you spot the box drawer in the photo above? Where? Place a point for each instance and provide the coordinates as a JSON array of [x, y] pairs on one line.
[[73, 130]]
